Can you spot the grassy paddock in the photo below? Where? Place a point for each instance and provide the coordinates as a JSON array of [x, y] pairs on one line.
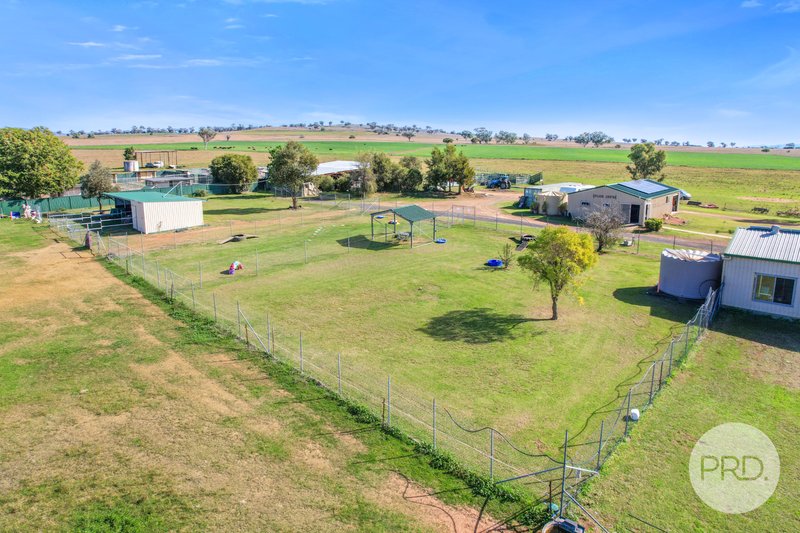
[[745, 371], [443, 325], [541, 153]]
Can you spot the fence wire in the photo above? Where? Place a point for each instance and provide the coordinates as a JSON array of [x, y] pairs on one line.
[[484, 449]]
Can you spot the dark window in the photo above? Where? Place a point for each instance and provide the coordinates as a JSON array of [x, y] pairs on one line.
[[773, 289]]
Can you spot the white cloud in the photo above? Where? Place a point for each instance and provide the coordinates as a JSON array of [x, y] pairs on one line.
[[203, 63], [137, 57], [733, 113], [234, 27], [269, 15], [747, 4], [784, 73], [88, 44], [118, 27], [231, 20], [792, 6]]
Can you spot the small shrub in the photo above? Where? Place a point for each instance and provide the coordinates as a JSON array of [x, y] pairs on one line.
[[200, 193], [352, 136], [617, 146], [653, 224], [765, 149], [326, 184], [506, 255]]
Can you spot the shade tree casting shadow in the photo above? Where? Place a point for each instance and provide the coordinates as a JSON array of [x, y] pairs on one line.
[[475, 326]]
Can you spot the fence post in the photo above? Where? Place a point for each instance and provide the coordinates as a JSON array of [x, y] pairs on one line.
[[628, 412], [158, 277], [273, 342], [434, 423], [238, 320], [175, 240], [686, 348], [660, 374], [339, 371], [256, 262], [269, 335], [652, 381], [214, 300], [200, 267], [301, 352], [388, 401], [305, 251], [491, 454], [144, 268], [563, 475], [600, 445], [671, 350]]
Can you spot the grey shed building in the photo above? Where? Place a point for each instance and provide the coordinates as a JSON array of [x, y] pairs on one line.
[[760, 271]]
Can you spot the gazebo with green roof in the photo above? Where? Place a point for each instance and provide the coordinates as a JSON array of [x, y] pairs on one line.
[[409, 213]]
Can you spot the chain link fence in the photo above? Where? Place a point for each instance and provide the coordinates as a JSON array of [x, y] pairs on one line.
[[484, 449]]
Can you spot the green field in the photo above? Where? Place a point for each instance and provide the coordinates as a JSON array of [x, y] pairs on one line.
[[436, 320], [745, 371], [348, 149], [122, 413]]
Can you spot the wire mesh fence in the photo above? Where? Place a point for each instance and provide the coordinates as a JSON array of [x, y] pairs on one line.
[[484, 449]]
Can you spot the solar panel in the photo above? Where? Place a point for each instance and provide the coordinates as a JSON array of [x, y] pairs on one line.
[[644, 186]]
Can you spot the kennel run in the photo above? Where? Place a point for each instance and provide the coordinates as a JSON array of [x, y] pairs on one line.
[[152, 212], [411, 214]]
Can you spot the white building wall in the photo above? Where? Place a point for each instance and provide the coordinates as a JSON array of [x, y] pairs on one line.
[[168, 216], [137, 216], [738, 278], [597, 197]]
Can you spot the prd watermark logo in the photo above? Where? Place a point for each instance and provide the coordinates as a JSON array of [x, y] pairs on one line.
[[734, 468]]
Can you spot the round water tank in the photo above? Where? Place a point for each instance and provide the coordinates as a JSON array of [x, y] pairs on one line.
[[130, 166], [689, 273]]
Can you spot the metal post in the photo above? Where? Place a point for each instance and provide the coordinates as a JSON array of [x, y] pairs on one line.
[[214, 300], [238, 320], [269, 334], [652, 381], [600, 445], [194, 303], [563, 475], [660, 374], [491, 454], [671, 349], [628, 412], [389, 401], [200, 267], [686, 347], [301, 352], [434, 423], [273, 342], [339, 370], [256, 262]]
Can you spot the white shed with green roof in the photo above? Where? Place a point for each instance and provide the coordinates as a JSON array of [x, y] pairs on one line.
[[761, 271], [154, 212]]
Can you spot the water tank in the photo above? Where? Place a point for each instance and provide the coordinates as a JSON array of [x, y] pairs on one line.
[[689, 273], [130, 166]]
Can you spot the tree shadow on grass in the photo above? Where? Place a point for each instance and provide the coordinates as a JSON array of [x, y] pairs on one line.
[[476, 326]]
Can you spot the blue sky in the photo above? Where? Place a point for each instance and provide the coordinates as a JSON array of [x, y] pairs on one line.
[[682, 70]]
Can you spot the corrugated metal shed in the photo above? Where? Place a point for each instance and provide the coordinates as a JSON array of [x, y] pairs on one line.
[[334, 167], [646, 189], [773, 244], [149, 196]]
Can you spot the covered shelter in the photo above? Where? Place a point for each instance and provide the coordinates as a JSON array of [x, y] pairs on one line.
[[152, 211], [410, 213]]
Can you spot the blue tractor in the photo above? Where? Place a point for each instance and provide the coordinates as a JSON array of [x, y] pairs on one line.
[[499, 182]]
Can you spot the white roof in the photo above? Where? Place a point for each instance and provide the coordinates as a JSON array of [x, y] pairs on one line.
[[773, 244], [334, 167]]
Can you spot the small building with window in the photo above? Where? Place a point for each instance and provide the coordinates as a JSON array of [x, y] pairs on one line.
[[761, 269], [638, 200]]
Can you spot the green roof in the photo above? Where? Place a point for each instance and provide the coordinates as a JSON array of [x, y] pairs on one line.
[[412, 213], [149, 196], [645, 189]]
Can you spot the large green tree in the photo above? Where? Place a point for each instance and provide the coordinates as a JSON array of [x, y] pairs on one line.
[[557, 257], [34, 163], [449, 166], [647, 162], [97, 181], [362, 179], [290, 166], [234, 169]]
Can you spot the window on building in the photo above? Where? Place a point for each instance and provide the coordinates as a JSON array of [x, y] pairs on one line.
[[585, 203], [774, 289]]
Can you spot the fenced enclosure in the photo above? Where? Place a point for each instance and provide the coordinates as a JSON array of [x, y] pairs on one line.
[[485, 449]]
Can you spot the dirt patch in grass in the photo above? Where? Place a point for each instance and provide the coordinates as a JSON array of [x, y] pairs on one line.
[[774, 365], [763, 199]]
